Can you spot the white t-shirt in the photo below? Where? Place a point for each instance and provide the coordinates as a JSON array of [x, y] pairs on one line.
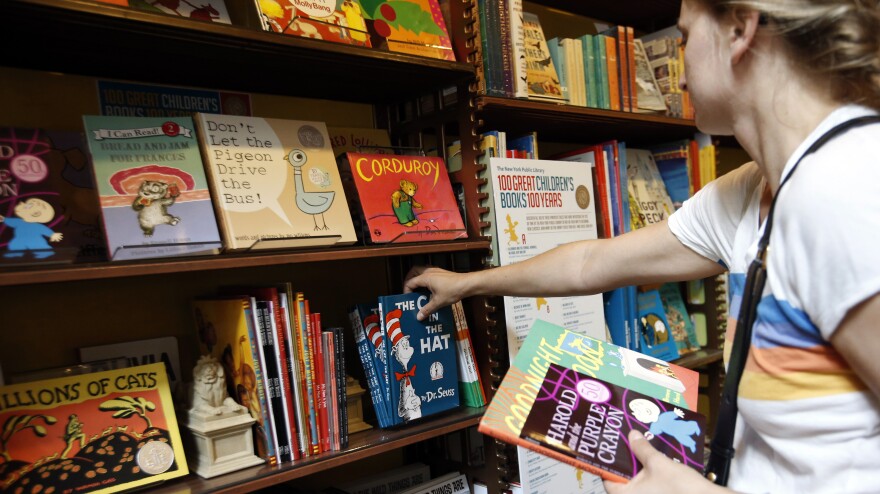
[[807, 422]]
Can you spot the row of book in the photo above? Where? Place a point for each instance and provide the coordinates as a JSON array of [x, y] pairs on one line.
[[609, 68], [281, 364], [416, 27], [148, 187], [415, 368]]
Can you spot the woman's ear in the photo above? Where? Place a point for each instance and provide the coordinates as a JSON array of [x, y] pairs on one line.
[[743, 26]]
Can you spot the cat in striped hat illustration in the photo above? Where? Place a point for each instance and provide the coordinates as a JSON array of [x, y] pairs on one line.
[[374, 333], [410, 405]]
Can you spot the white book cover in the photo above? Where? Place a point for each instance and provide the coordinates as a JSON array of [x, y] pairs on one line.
[[539, 205]]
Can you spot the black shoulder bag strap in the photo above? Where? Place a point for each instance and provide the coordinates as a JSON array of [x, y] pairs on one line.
[[722, 451]]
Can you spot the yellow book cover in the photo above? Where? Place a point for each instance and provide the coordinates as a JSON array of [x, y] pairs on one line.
[[274, 182], [102, 432]]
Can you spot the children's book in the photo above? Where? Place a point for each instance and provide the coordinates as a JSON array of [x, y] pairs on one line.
[[226, 331], [404, 198], [141, 352], [415, 27], [49, 210], [102, 432], [655, 335], [667, 386], [422, 357], [371, 349], [469, 380], [648, 197], [340, 21], [154, 195], [585, 421], [683, 331], [543, 80], [274, 182], [202, 10], [355, 139]]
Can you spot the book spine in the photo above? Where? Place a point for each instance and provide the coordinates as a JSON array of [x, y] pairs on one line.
[[263, 434], [613, 65], [307, 381], [365, 351], [311, 379], [469, 376], [295, 376], [321, 401], [285, 373], [518, 43], [272, 383], [506, 48], [330, 378], [341, 386]]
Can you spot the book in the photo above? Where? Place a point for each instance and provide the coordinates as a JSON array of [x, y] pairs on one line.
[[370, 344], [329, 20], [587, 420], [648, 198], [654, 331], [341, 384], [272, 381], [649, 95], [390, 481], [549, 344], [423, 366], [226, 331], [47, 171], [141, 352], [405, 198], [274, 182], [355, 139], [450, 483], [543, 80], [415, 27], [203, 10], [469, 380], [152, 186], [680, 324], [101, 432]]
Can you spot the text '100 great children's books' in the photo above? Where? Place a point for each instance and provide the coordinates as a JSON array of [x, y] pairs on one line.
[[101, 432], [575, 398]]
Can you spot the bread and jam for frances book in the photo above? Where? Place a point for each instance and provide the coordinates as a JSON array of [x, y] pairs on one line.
[[153, 191], [274, 182], [404, 198], [575, 398], [422, 358], [101, 432], [48, 203]]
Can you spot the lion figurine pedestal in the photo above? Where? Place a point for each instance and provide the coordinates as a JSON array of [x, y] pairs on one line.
[[220, 428]]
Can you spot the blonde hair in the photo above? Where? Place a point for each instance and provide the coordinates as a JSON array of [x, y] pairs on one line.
[[835, 39]]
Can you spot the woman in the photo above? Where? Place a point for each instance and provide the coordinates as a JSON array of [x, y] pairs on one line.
[[776, 74]]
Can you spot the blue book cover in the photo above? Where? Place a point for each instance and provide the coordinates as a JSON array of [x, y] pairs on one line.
[[556, 54], [672, 162], [368, 338], [423, 357], [655, 336]]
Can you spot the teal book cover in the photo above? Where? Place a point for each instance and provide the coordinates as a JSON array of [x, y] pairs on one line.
[[422, 355], [153, 191]]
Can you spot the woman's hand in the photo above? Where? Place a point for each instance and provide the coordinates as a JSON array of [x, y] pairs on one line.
[[446, 287], [659, 474]]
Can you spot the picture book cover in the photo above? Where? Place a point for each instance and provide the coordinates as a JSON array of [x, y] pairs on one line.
[[102, 432], [226, 331], [551, 344], [683, 331], [340, 21], [153, 191], [140, 352], [274, 182], [587, 421], [423, 358], [654, 331], [415, 27], [541, 76], [405, 198], [649, 200], [49, 210], [202, 10]]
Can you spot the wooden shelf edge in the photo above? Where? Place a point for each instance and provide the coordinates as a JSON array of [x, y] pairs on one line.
[[75, 272], [484, 103], [700, 358], [361, 445]]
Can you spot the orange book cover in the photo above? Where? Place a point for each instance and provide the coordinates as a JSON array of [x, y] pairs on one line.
[[405, 198], [101, 432], [612, 63]]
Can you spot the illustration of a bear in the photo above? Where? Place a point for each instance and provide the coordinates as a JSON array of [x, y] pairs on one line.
[[403, 202], [152, 203]]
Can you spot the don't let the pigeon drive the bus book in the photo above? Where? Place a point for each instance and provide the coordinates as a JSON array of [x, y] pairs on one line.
[[274, 182]]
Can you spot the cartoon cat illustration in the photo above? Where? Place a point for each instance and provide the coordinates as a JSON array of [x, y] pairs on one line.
[[403, 202], [152, 203]]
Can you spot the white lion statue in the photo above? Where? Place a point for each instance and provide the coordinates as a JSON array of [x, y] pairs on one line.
[[209, 389]]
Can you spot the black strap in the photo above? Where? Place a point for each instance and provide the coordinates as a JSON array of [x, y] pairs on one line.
[[722, 450]]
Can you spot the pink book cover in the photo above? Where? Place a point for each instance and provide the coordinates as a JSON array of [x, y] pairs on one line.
[[405, 198]]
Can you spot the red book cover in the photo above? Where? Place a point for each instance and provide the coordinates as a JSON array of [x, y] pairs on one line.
[[320, 387], [405, 198]]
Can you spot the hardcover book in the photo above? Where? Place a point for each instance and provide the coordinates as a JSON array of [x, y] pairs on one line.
[[101, 432], [153, 191], [422, 356], [338, 21], [202, 10], [404, 198], [548, 344], [415, 27], [226, 331], [656, 338], [274, 182], [49, 209], [371, 350], [587, 421], [141, 352], [543, 80]]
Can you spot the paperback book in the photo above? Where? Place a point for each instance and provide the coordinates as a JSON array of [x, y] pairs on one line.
[[507, 413], [274, 183], [49, 209], [153, 191], [404, 198], [422, 358], [101, 432]]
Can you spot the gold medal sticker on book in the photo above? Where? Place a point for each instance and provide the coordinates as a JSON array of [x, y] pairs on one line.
[[101, 432]]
